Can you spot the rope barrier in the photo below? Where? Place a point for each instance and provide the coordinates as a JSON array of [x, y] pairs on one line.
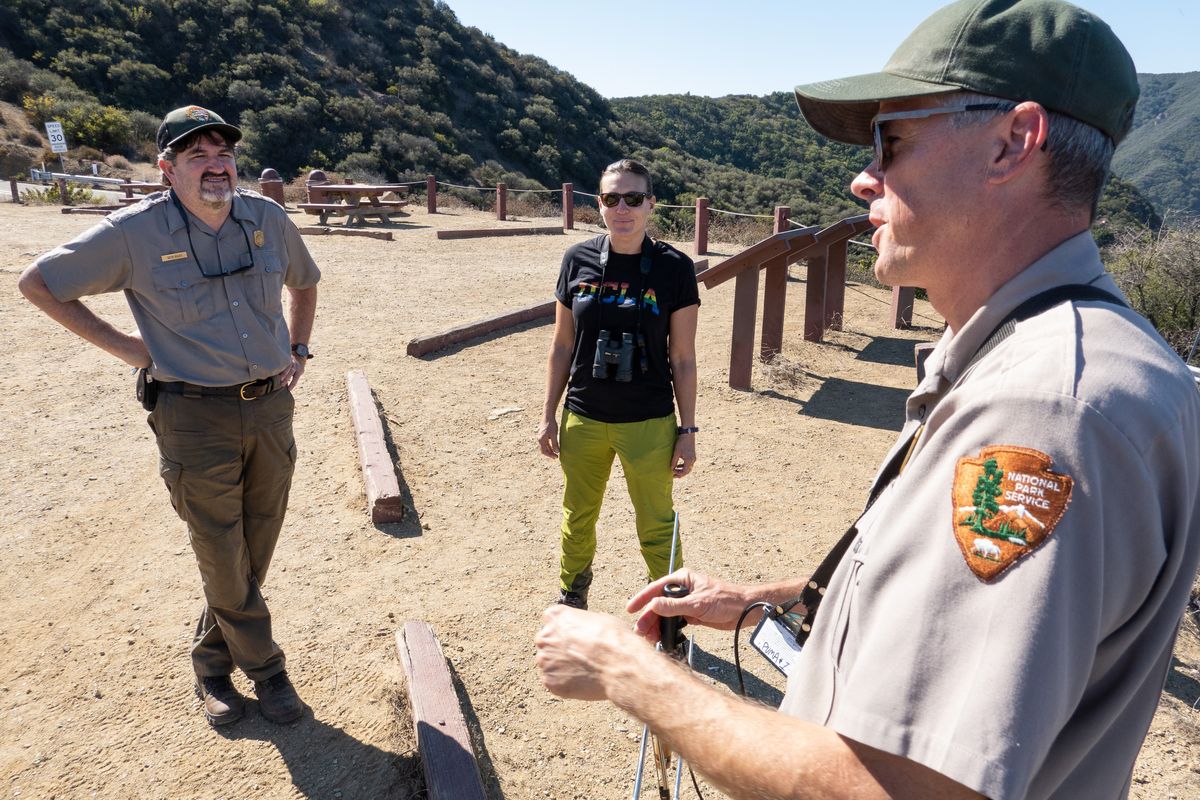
[[668, 205], [476, 188], [740, 214], [888, 303], [534, 191]]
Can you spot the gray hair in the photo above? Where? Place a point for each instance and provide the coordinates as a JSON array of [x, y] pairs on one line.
[[1080, 154]]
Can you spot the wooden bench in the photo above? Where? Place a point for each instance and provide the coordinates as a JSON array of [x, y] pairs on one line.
[[353, 214], [325, 210]]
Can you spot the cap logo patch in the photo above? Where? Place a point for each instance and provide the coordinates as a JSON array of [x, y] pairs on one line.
[[197, 113], [1006, 504]]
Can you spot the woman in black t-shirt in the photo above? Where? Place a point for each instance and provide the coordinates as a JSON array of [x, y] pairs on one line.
[[624, 350]]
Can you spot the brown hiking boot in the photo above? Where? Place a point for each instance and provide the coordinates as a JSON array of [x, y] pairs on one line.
[[223, 704], [277, 699]]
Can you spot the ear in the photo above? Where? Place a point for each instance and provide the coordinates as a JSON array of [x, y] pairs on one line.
[[1021, 136], [167, 168]]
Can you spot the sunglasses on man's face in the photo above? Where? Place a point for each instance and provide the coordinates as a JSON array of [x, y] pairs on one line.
[[883, 154], [632, 199]]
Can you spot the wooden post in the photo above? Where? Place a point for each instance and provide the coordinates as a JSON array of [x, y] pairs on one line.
[[701, 242], [501, 201], [128, 189], [430, 194], [774, 302], [781, 219], [62, 189], [902, 306], [835, 285], [741, 350], [12, 185], [568, 205], [814, 298]]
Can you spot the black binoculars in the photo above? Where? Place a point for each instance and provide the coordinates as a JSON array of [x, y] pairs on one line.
[[613, 352]]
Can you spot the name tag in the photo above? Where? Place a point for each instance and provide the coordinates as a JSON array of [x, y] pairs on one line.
[[776, 643], [175, 256]]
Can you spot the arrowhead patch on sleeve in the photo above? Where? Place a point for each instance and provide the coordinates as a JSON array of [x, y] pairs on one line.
[[1006, 504]]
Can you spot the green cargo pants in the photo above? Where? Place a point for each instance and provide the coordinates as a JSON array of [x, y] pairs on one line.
[[586, 450], [228, 464]]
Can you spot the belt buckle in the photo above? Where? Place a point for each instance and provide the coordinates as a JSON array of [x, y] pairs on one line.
[[242, 390]]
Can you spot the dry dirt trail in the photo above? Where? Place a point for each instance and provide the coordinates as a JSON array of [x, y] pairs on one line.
[[100, 588]]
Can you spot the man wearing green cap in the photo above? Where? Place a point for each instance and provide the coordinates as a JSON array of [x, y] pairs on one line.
[[1000, 620], [204, 266]]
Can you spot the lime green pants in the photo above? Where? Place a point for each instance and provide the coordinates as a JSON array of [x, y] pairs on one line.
[[586, 450]]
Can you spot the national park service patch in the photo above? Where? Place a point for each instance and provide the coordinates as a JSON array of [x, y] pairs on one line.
[[1006, 503]]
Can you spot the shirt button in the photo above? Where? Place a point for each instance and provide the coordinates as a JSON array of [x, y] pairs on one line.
[[183, 284], [268, 269], [245, 336], [254, 366], [236, 303]]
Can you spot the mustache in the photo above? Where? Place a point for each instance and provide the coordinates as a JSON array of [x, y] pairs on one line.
[[214, 175]]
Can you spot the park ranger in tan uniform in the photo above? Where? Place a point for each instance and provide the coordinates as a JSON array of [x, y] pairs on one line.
[[1002, 619], [204, 266]]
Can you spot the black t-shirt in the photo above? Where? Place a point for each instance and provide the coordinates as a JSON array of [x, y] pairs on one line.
[[628, 302]]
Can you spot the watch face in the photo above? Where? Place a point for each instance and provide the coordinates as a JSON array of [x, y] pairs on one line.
[[300, 350]]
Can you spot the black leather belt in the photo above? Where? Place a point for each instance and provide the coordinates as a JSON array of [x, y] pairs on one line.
[[246, 391]]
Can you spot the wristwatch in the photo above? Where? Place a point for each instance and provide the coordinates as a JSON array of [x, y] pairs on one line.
[[680, 431], [301, 350]]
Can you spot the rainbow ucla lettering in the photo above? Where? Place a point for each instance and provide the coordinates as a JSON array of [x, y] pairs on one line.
[[613, 292]]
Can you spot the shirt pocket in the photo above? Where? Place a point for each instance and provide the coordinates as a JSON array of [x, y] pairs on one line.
[[841, 640], [180, 291], [263, 282]]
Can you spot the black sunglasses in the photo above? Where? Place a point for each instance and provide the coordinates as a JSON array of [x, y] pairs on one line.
[[883, 153], [632, 199]]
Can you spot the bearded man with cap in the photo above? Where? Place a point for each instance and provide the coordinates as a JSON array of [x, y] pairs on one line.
[[203, 267], [1000, 620]]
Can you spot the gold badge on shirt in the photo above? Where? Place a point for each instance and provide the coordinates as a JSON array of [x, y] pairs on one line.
[[1006, 503], [174, 256], [259, 239]]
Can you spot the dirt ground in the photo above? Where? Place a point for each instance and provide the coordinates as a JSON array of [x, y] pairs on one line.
[[100, 587]]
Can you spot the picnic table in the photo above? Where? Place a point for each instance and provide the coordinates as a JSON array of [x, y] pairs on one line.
[[354, 201]]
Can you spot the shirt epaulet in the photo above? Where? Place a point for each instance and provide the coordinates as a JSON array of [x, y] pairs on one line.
[[145, 204]]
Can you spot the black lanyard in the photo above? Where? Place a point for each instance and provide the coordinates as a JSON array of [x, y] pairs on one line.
[[644, 265], [810, 597]]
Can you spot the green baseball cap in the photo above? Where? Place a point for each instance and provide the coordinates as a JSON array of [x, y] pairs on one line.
[[189, 119], [1047, 51]]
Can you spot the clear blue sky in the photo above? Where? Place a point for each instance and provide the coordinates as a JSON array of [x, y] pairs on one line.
[[758, 46]]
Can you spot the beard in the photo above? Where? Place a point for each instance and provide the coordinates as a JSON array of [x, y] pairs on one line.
[[215, 194]]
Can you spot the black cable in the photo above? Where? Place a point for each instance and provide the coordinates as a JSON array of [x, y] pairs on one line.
[[737, 658]]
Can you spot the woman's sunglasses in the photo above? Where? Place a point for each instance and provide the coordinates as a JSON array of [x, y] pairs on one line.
[[632, 199]]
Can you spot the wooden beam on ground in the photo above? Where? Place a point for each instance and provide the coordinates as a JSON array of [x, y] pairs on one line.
[[428, 344], [451, 770], [476, 233], [321, 230], [102, 210], [379, 474]]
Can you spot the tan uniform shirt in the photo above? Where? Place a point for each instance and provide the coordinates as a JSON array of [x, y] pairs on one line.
[[1040, 681], [212, 331]]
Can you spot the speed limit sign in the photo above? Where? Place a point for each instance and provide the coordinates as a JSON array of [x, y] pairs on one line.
[[58, 142]]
